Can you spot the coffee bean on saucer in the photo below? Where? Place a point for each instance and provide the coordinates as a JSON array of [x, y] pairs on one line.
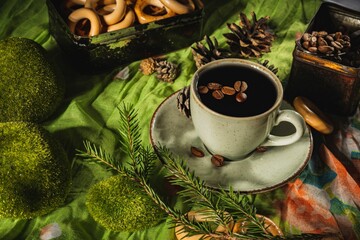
[[261, 149], [241, 97], [228, 90], [217, 160], [217, 94], [197, 152], [214, 86], [203, 89]]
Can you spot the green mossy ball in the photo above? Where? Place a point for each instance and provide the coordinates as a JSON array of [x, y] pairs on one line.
[[34, 171], [29, 87], [120, 204]]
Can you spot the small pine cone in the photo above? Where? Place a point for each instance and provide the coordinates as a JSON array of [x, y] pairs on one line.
[[183, 101], [166, 71], [147, 66]]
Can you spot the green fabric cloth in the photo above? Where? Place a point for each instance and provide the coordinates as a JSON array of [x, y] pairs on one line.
[[90, 108]]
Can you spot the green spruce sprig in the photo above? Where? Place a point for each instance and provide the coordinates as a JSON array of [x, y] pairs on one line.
[[96, 154], [141, 164], [219, 207], [193, 190], [142, 158]]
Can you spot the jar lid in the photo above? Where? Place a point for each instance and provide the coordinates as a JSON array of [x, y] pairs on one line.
[[352, 5]]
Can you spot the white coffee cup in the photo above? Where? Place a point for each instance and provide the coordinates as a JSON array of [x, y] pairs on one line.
[[236, 137]]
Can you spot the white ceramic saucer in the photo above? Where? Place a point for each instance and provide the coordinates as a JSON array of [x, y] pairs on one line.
[[259, 172]]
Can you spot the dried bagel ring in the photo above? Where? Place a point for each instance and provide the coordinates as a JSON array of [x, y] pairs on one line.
[[79, 2], [81, 13], [127, 21], [146, 18], [71, 4], [117, 14], [178, 7], [312, 115], [103, 7], [105, 2], [114, 16], [106, 9]]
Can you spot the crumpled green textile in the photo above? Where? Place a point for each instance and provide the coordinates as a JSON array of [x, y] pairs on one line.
[[90, 108]]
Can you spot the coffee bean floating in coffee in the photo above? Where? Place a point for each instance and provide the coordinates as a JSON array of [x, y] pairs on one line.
[[203, 89], [214, 86], [228, 90], [217, 94], [241, 97]]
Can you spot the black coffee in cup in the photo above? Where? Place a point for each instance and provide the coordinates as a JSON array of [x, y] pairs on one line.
[[257, 97]]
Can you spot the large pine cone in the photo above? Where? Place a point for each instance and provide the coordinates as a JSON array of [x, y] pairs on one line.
[[203, 55], [249, 38]]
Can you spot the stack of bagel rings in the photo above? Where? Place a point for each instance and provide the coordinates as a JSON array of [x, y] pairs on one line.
[[93, 17]]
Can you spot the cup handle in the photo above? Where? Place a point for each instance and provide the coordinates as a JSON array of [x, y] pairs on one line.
[[296, 120]]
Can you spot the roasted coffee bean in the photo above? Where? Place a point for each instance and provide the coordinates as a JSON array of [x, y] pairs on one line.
[[313, 41], [325, 49], [322, 41], [217, 94], [241, 97], [197, 152], [346, 44], [345, 38], [336, 45], [312, 49], [329, 38], [338, 35], [203, 89], [217, 160], [341, 41], [306, 37], [261, 149], [322, 33], [314, 33], [228, 90], [306, 44], [237, 86], [214, 86], [243, 87]]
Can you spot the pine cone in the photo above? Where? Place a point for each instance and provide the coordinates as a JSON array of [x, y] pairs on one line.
[[203, 55], [249, 39], [147, 66], [166, 71], [183, 101]]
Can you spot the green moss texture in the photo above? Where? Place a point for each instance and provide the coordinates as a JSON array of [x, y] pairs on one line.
[[34, 171], [29, 87], [120, 204]]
